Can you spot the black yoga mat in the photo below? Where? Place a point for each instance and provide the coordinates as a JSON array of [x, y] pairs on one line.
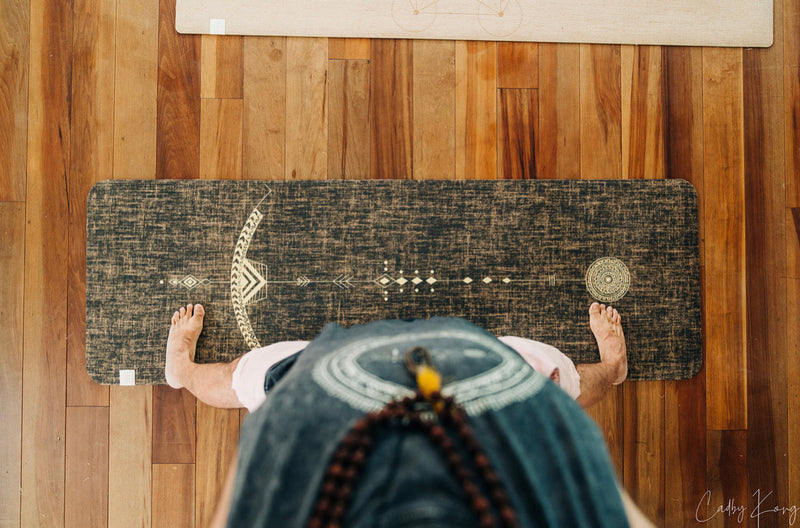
[[276, 260]]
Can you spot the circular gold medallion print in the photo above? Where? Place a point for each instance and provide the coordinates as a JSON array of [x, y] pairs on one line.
[[608, 279]]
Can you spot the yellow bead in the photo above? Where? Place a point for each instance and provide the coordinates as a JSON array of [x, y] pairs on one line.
[[428, 380]]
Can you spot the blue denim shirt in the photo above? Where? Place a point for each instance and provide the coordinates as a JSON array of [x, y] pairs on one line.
[[549, 454]]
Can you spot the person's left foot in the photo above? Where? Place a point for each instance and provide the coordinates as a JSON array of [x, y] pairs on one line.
[[187, 323]]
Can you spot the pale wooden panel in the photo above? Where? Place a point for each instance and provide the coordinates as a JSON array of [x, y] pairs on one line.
[[517, 65], [178, 117], [678, 22], [45, 311], [173, 495], [349, 48], [91, 160], [306, 102], [221, 65], [130, 444], [559, 112], [723, 145], [434, 92], [791, 76], [264, 112], [14, 45], [12, 269], [173, 426], [348, 119], [476, 110], [765, 225], [135, 89], [518, 133], [86, 479], [643, 112], [644, 447], [391, 113], [217, 438], [221, 139], [685, 406], [601, 112], [726, 478]]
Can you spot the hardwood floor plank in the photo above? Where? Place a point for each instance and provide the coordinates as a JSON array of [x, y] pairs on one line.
[[221, 66], [726, 476], [517, 65], [476, 110], [559, 112], [12, 269], [14, 47], [685, 404], [306, 101], [221, 139], [264, 112], [91, 160], [643, 112], [434, 93], [130, 454], [518, 133], [86, 480], [217, 439], [724, 188], [173, 495], [391, 112], [600, 112], [348, 119], [173, 426], [791, 76], [609, 414], [793, 375], [766, 260], [46, 255], [178, 120], [135, 89], [349, 48]]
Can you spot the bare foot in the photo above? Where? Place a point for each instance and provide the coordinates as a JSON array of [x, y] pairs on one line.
[[187, 323], [606, 325]]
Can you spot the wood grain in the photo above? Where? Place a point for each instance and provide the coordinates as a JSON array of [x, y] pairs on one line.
[[14, 46], [217, 438], [221, 139], [86, 480], [793, 375], [306, 100], [178, 120], [173, 426], [518, 133], [559, 112], [765, 240], [391, 124], [349, 48], [221, 67], [601, 112], [517, 65], [91, 160], [791, 112], [130, 452], [725, 317], [685, 407], [264, 109], [12, 268], [135, 89], [173, 495], [434, 96], [45, 307], [348, 119], [726, 477], [476, 110]]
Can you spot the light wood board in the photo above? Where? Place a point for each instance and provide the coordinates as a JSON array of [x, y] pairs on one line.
[[676, 22]]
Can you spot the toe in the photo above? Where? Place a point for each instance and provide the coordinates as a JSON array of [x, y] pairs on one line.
[[594, 308], [175, 317], [199, 311], [189, 309], [182, 312]]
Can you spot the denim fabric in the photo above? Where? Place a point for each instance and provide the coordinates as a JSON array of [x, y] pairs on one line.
[[547, 451]]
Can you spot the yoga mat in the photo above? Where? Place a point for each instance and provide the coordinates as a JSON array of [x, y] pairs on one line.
[[277, 260], [674, 22]]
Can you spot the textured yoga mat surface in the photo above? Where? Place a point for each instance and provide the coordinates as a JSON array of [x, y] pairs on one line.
[[277, 260]]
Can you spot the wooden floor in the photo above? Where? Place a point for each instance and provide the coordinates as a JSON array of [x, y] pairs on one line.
[[97, 89]]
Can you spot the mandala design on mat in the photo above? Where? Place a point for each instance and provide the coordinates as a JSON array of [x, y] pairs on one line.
[[608, 279]]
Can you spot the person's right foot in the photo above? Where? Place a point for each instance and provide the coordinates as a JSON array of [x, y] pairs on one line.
[[606, 325], [187, 323]]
